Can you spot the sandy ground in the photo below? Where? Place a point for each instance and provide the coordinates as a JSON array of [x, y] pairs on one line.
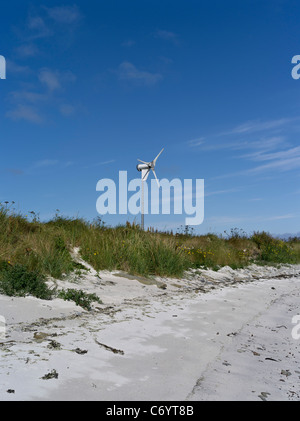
[[223, 335]]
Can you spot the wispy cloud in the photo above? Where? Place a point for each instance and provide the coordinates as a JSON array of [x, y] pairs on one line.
[[42, 92], [264, 142], [128, 72], [276, 165], [128, 43], [14, 68], [234, 220], [282, 154], [25, 112], [45, 163], [279, 164], [27, 103], [196, 142], [66, 15], [15, 171], [37, 28], [27, 50], [279, 217], [67, 110], [46, 22], [54, 80], [167, 36], [27, 96], [50, 79], [49, 163], [225, 191], [250, 135], [258, 126], [98, 164], [280, 160], [40, 166]]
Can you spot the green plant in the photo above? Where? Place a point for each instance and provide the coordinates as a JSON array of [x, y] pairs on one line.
[[278, 252], [17, 280], [80, 297], [273, 250]]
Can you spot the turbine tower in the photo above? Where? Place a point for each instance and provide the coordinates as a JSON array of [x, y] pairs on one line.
[[145, 168]]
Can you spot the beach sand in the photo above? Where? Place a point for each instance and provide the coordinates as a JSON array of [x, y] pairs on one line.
[[223, 335]]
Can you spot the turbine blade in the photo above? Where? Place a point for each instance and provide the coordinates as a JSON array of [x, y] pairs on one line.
[[155, 177], [146, 174], [155, 159], [143, 162]]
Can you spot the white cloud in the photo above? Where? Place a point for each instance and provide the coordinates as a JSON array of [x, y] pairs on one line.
[[258, 126], [100, 163], [36, 22], [45, 22], [221, 220], [166, 35], [25, 112], [279, 155], [278, 165], [27, 96], [66, 109], [278, 217], [46, 163], [27, 50], [50, 79], [53, 79], [127, 71], [37, 28], [213, 193], [196, 142], [14, 68], [64, 14], [25, 101], [263, 142], [250, 135], [128, 43]]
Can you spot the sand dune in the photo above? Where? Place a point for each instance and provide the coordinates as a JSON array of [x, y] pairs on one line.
[[222, 335]]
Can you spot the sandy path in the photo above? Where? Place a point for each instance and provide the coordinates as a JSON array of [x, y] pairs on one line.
[[232, 343]]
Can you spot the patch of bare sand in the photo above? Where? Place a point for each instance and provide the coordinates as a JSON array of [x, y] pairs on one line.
[[166, 339]]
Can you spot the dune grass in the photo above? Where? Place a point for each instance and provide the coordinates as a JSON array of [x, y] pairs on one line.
[[43, 248]]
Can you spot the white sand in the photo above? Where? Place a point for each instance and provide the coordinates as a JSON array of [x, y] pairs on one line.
[[213, 336]]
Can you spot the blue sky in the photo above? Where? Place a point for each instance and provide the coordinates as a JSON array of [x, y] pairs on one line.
[[92, 86]]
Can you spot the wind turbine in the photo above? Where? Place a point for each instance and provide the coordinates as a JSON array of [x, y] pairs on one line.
[[145, 168]]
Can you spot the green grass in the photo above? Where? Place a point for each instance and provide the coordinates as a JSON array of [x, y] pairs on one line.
[[41, 249]]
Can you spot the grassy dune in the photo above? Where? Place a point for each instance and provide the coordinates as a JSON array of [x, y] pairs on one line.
[[43, 248]]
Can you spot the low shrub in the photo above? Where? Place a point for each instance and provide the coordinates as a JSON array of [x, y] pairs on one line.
[[79, 297], [18, 281]]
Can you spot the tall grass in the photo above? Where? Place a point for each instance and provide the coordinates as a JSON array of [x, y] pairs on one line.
[[44, 247]]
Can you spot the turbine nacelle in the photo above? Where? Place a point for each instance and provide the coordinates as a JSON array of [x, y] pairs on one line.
[[141, 167], [145, 168]]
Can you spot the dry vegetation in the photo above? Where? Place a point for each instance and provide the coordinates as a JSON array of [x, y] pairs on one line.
[[43, 248]]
